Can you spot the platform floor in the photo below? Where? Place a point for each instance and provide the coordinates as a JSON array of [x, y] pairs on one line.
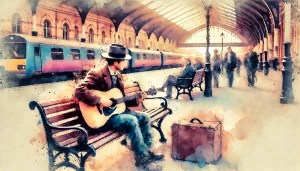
[[259, 132]]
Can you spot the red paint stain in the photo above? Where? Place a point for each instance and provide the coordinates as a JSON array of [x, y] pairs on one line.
[[39, 137]]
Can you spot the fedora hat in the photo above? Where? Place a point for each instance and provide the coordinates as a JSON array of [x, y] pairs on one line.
[[116, 51]]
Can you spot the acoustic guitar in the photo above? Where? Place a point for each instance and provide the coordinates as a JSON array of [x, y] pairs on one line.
[[96, 116]]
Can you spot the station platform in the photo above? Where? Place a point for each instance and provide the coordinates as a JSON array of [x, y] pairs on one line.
[[259, 132]]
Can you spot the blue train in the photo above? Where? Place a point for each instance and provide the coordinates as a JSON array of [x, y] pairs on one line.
[[25, 56]]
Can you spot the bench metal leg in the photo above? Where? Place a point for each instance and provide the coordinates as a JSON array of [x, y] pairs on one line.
[[158, 128], [200, 86], [51, 158], [191, 98], [83, 160], [178, 92]]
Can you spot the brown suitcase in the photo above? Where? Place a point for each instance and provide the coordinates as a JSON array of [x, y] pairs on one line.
[[197, 141]]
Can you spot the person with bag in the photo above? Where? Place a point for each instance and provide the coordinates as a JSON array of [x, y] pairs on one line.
[[230, 62], [216, 63], [251, 63]]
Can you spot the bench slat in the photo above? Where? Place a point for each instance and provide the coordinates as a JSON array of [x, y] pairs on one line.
[[157, 117], [68, 141], [149, 110], [97, 137], [157, 112], [62, 116], [58, 101], [67, 135], [54, 131], [67, 122], [106, 140], [60, 107]]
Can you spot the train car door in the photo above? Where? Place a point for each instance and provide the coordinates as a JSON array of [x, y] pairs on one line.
[[37, 59]]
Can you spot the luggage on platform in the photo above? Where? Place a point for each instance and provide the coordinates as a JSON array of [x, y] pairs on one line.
[[197, 141]]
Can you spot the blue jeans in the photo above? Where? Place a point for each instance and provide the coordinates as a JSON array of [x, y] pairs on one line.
[[230, 76], [169, 83], [216, 78], [136, 126]]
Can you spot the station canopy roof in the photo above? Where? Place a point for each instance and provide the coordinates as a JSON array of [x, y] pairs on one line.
[[176, 20]]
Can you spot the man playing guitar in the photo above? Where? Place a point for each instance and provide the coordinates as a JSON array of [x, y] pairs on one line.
[[135, 125]]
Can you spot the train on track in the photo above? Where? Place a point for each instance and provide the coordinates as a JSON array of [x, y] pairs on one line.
[[25, 56]]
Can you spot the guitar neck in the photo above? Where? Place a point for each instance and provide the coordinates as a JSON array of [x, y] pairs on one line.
[[127, 98]]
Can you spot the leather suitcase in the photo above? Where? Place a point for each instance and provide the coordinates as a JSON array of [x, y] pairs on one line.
[[197, 141]]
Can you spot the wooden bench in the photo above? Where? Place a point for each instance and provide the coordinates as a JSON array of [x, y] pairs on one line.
[[67, 133], [186, 85]]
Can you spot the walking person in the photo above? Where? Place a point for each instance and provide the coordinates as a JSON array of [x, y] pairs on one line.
[[216, 63], [251, 64], [238, 68], [230, 62]]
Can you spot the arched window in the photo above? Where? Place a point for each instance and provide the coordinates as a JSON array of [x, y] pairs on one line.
[[91, 36], [65, 31], [76, 34], [103, 36], [47, 27], [16, 23]]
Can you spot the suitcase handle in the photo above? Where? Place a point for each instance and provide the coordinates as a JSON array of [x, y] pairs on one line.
[[195, 119]]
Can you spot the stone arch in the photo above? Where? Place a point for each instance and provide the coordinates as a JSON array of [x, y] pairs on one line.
[[91, 26], [66, 21], [47, 17]]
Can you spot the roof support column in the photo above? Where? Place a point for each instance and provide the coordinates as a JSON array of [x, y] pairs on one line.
[[33, 4], [287, 95], [261, 49], [83, 37], [136, 41], [34, 31], [266, 63], [149, 44], [276, 41], [117, 37]]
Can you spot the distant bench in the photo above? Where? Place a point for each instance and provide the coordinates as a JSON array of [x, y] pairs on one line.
[[67, 133], [186, 85]]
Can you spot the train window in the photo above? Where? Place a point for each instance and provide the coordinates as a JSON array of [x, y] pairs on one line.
[[138, 57], [36, 51], [153, 57], [57, 53], [14, 50], [144, 56], [90, 54], [75, 54]]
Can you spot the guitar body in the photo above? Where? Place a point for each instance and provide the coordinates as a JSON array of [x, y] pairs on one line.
[[97, 116]]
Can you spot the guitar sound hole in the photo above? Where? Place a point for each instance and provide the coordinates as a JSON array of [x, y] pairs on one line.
[[114, 103]]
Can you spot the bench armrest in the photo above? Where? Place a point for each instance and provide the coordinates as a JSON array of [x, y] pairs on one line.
[[184, 78], [164, 102], [83, 135]]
